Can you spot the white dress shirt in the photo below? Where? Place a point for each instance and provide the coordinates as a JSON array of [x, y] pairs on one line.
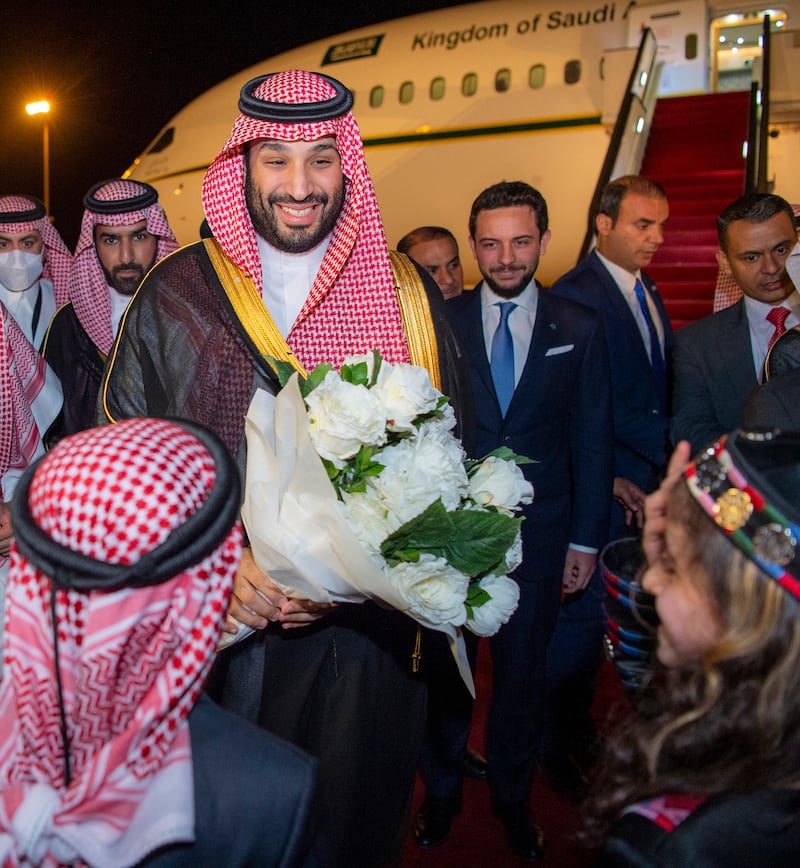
[[520, 322], [761, 329], [21, 306], [627, 286], [287, 279]]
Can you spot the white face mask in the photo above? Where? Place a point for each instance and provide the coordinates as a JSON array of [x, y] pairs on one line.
[[19, 270]]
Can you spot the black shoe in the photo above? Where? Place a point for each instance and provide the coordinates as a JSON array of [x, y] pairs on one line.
[[432, 822], [524, 834], [474, 765]]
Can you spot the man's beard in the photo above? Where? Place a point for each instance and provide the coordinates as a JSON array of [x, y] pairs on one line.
[[127, 285], [292, 239], [509, 291]]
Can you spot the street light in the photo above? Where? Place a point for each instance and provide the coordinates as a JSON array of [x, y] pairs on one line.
[[42, 107]]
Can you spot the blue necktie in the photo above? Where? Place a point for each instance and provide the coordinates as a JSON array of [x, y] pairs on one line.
[[502, 357], [656, 357]]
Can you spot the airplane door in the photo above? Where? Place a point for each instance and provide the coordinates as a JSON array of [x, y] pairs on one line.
[[681, 30]]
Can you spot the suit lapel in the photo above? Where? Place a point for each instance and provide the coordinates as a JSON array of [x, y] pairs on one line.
[[473, 321], [735, 350], [547, 334]]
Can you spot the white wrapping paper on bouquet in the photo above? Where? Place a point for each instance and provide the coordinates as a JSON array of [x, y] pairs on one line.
[[297, 530]]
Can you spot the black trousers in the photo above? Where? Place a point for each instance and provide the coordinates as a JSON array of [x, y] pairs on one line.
[[342, 689]]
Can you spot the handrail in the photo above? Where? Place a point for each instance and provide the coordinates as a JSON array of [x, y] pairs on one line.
[[763, 132], [756, 179], [634, 96], [753, 122]]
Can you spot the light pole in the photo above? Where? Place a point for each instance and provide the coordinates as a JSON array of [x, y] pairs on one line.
[[42, 107]]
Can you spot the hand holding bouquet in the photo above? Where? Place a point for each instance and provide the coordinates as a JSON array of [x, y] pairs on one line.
[[357, 488]]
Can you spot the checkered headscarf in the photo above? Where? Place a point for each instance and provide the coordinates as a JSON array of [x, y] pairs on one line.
[[132, 659], [352, 307], [24, 213], [116, 202], [30, 398]]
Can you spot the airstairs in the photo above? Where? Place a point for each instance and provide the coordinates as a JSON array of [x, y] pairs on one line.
[[695, 151]]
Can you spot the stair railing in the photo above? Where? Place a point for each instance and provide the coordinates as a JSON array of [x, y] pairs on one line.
[[756, 178], [631, 128]]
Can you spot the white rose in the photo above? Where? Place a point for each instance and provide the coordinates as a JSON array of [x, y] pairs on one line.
[[514, 554], [342, 418], [487, 619], [434, 590], [499, 483], [406, 393], [419, 470], [368, 518]]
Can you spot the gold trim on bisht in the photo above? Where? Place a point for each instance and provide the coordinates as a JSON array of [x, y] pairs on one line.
[[415, 312], [250, 310]]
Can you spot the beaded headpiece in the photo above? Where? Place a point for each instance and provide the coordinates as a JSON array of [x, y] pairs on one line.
[[748, 482]]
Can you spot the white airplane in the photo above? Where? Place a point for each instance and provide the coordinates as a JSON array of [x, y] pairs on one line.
[[453, 100]]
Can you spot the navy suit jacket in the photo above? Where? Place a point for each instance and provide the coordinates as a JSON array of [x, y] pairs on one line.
[[713, 376], [255, 797], [559, 415], [641, 424]]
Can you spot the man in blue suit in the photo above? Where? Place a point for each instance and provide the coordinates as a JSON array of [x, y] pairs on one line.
[[540, 384], [630, 223]]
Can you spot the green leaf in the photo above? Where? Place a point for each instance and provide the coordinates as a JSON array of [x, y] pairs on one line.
[[283, 369], [472, 541], [357, 374], [477, 596], [315, 378], [377, 361], [507, 455]]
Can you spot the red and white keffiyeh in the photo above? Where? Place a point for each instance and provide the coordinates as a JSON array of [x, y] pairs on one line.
[[132, 662], [30, 400], [352, 306], [57, 258], [88, 290]]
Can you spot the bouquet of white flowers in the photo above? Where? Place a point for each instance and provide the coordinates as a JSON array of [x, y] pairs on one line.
[[357, 488]]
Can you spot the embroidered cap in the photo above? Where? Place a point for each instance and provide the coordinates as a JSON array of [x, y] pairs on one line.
[[748, 483]]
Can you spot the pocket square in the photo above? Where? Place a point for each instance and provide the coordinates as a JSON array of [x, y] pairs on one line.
[[557, 351]]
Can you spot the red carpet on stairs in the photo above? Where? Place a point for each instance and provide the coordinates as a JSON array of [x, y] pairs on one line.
[[695, 152], [477, 839]]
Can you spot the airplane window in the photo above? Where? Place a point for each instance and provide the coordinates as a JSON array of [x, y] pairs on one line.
[[536, 76], [376, 96], [469, 84], [572, 72], [164, 141], [406, 92], [502, 80], [690, 50], [437, 88]]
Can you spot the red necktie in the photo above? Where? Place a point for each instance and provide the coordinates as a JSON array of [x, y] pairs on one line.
[[777, 316]]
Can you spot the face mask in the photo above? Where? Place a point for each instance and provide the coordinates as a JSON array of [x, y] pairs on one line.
[[19, 271]]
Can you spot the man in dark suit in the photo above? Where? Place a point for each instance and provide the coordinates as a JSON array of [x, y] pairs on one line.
[[718, 360], [630, 222], [541, 386]]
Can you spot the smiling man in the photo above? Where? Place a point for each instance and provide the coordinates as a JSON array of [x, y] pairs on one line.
[[298, 268], [719, 360], [540, 386], [124, 232]]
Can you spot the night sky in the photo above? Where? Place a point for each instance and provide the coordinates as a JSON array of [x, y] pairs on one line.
[[115, 73]]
